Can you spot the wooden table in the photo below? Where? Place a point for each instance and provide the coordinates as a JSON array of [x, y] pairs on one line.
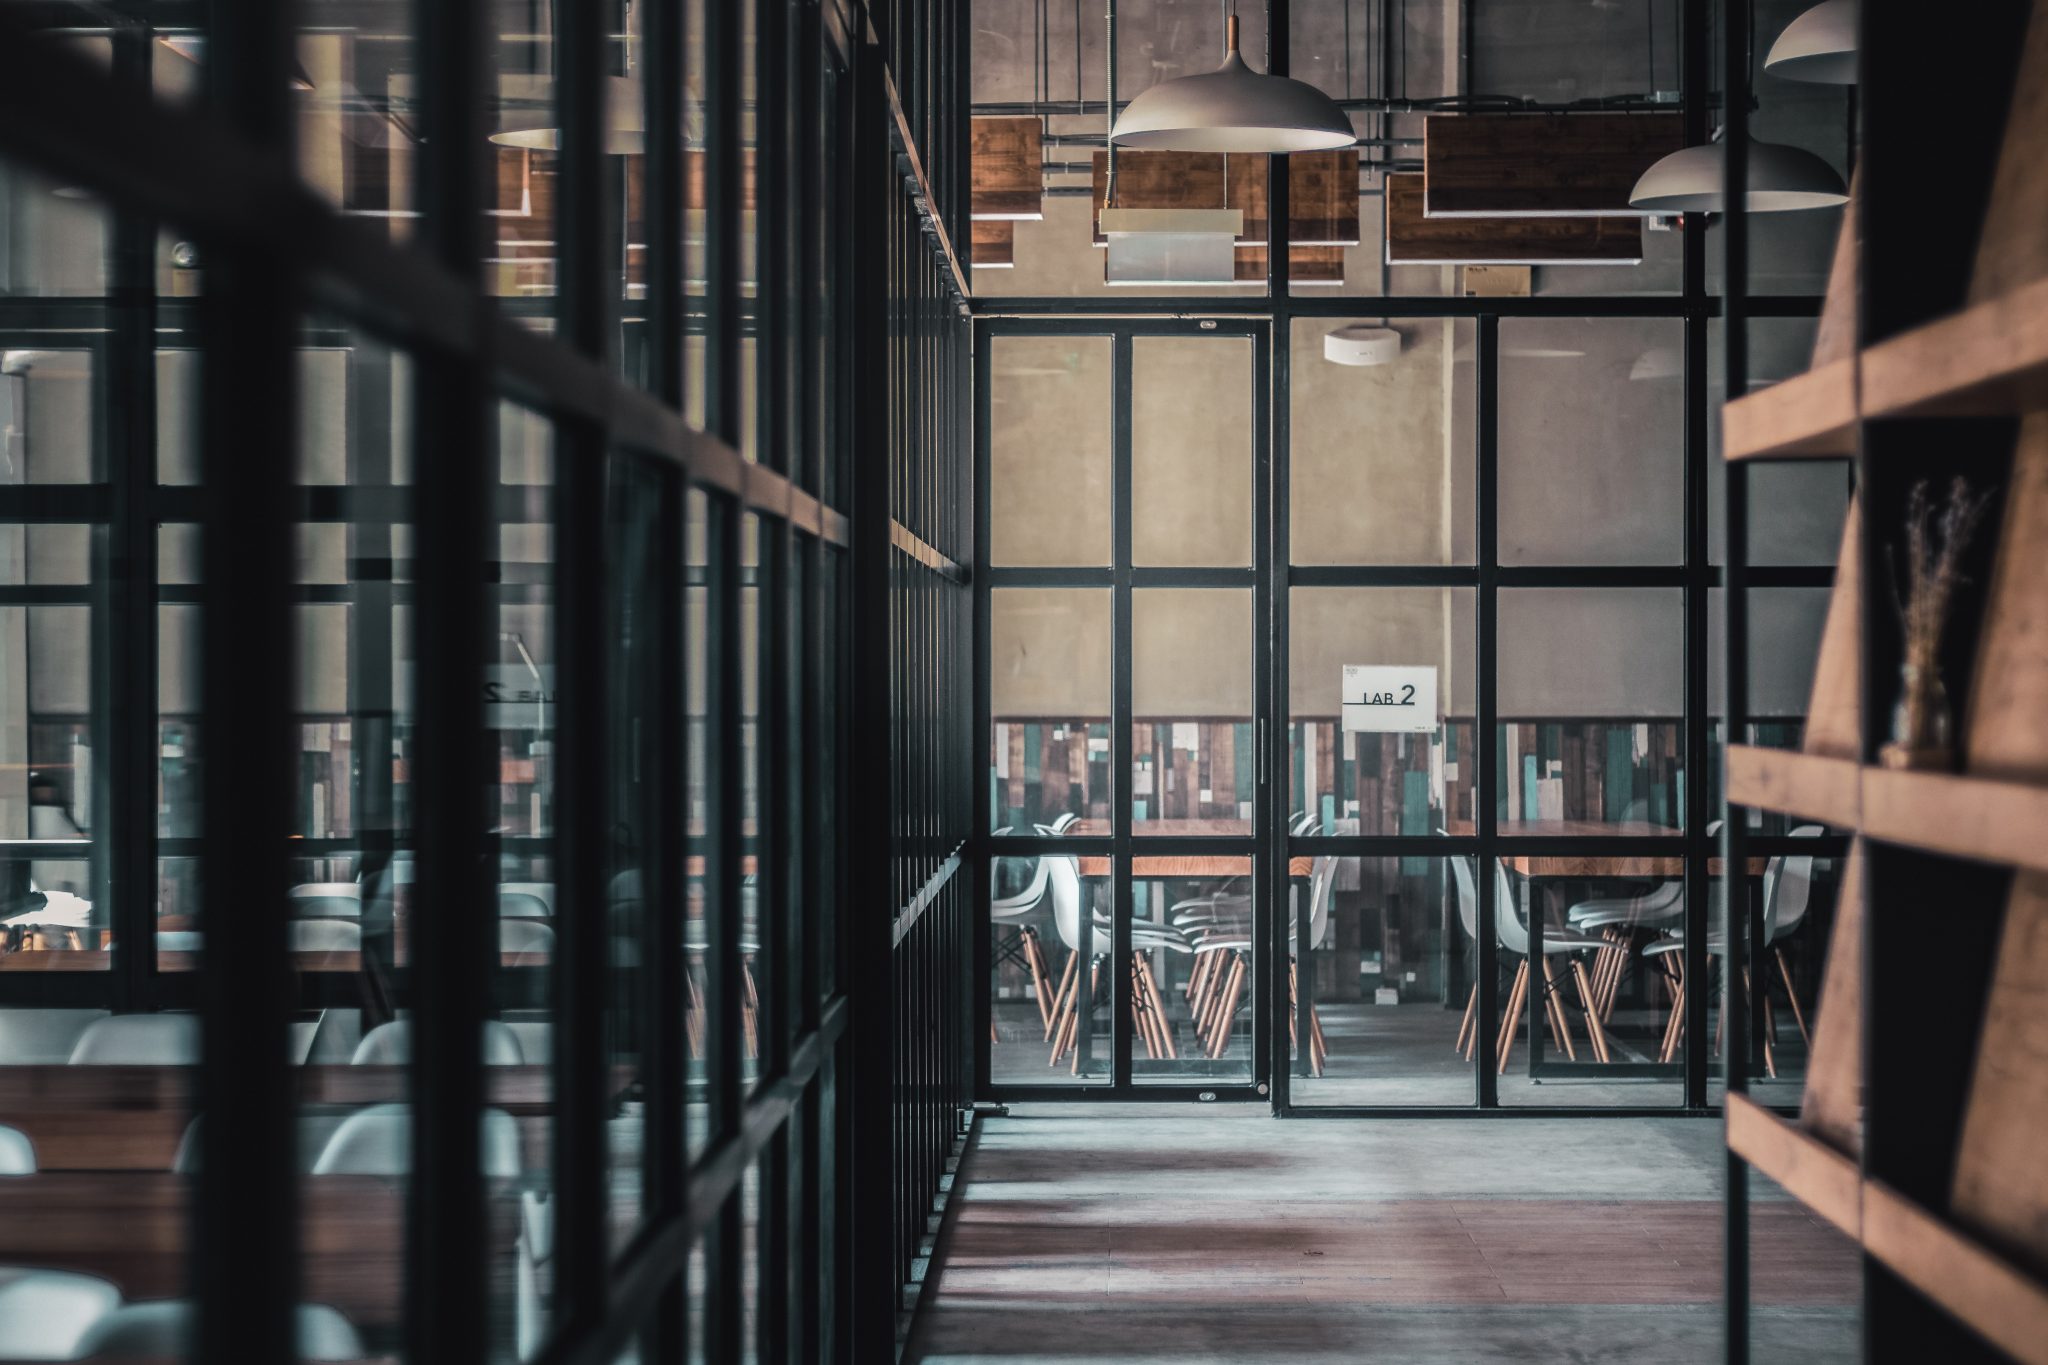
[[132, 1227], [1157, 866], [131, 1118]]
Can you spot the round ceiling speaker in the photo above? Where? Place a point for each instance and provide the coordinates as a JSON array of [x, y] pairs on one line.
[[1359, 344]]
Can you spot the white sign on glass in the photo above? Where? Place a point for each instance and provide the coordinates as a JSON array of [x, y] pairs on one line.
[[1384, 698]]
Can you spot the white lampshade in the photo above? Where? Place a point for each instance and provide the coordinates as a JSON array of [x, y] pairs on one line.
[[1818, 46], [1781, 179], [531, 120], [1234, 109]]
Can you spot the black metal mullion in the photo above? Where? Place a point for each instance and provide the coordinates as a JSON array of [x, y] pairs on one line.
[[1699, 458], [1486, 668], [1122, 718], [1272, 434]]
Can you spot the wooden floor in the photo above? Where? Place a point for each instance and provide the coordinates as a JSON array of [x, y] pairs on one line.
[[1145, 1233]]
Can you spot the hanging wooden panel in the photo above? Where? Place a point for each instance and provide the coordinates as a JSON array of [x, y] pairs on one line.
[[1006, 169], [1322, 191], [1305, 264], [1541, 165], [994, 245], [1413, 239]]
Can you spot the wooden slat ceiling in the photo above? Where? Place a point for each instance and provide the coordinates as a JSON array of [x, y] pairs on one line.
[[1413, 239], [1006, 169], [1541, 165]]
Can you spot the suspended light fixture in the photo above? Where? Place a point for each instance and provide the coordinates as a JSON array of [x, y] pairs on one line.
[[1234, 109], [1818, 46], [1781, 179]]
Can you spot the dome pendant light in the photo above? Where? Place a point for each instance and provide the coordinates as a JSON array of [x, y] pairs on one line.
[[1234, 109], [1781, 179], [1818, 46]]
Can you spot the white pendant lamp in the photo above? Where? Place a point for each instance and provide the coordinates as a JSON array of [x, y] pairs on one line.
[[1818, 46], [1781, 179], [1234, 109]]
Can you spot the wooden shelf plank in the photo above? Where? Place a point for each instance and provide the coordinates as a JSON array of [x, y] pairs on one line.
[[1811, 415], [1810, 785], [1997, 1299], [1990, 360], [1811, 1171], [1953, 813]]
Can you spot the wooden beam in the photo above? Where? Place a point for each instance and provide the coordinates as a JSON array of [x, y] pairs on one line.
[[994, 244], [1413, 239], [1006, 169], [1541, 165]]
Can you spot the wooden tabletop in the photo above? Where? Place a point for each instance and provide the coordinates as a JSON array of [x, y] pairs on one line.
[[132, 1227], [131, 1118], [1163, 865]]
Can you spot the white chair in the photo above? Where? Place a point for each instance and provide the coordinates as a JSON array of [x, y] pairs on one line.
[[544, 892], [45, 1313], [17, 1153], [139, 1040], [377, 1140], [30, 1036], [1148, 1009], [390, 1044], [525, 936], [327, 900], [164, 1327], [517, 904], [324, 935], [1221, 927], [1512, 934]]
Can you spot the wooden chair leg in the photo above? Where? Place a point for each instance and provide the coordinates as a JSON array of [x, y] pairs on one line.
[[1791, 994], [1511, 1017], [1162, 1024], [1059, 1000], [1555, 1004], [1467, 1026], [1041, 982], [1591, 1004], [1226, 1016]]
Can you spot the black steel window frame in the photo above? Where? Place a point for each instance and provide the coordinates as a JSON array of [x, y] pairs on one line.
[[829, 96], [1696, 575]]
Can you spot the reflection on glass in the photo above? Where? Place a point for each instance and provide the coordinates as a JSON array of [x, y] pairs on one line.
[[1191, 450], [1598, 479], [1049, 752], [1193, 756], [1389, 981], [1049, 450], [1591, 739], [1050, 986], [1387, 770], [1380, 457], [356, 96]]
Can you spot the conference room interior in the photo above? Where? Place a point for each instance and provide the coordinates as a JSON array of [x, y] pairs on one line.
[[650, 711]]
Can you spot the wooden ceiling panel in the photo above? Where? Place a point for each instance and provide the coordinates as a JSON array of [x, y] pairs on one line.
[[1541, 165], [994, 244], [1006, 169], [1322, 191], [1413, 239]]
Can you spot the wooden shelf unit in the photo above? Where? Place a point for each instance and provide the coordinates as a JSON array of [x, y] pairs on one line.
[[1990, 360], [1806, 785]]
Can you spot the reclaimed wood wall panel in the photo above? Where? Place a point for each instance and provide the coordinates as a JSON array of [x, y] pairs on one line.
[[1413, 239], [1541, 165], [1006, 168]]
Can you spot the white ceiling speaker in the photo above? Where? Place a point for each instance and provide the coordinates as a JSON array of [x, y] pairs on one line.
[[1818, 46], [1234, 109], [1359, 344], [1781, 179]]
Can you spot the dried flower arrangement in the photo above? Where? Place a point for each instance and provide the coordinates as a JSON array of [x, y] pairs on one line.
[[1922, 733]]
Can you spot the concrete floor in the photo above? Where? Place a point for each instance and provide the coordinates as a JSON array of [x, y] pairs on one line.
[[1133, 1233]]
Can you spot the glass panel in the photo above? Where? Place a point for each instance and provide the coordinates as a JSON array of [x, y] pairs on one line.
[[356, 93], [1049, 450], [1192, 983], [1591, 441], [1040, 977], [1396, 763], [1604, 989], [1049, 750], [695, 219], [47, 415], [519, 711], [697, 739], [525, 132], [1390, 981], [1380, 457], [751, 776], [50, 915], [1191, 450], [1193, 753], [55, 242], [1796, 507], [1592, 691]]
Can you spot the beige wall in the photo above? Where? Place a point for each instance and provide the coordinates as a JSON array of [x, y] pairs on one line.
[[1049, 652], [1191, 451], [1049, 454]]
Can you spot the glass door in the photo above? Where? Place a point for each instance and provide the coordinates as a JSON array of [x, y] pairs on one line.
[[1125, 533]]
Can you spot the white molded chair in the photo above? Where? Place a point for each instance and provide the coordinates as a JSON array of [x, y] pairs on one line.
[[516, 904], [44, 1314], [17, 1154], [1026, 950], [164, 1327], [30, 1036], [139, 1040], [1512, 934], [377, 1140], [544, 892], [390, 1044], [324, 935], [525, 936]]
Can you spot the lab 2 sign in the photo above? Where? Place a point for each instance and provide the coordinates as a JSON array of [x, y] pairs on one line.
[[1384, 698]]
